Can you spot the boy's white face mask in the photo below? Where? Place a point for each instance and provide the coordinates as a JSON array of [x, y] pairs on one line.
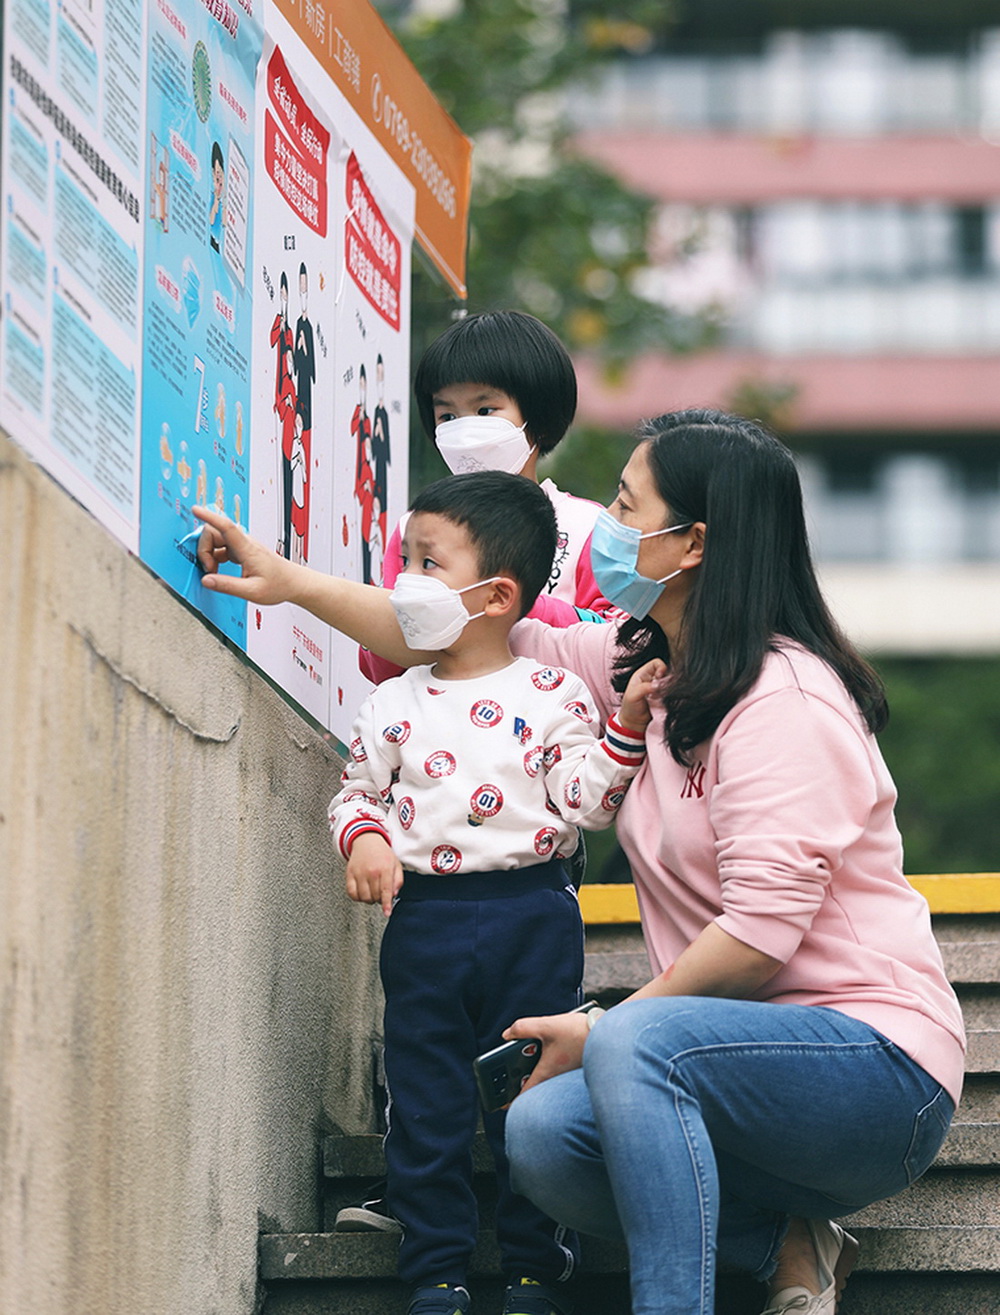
[[430, 615], [482, 443]]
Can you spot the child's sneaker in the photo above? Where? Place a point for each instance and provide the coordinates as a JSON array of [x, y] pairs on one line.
[[372, 1215], [526, 1296], [440, 1300]]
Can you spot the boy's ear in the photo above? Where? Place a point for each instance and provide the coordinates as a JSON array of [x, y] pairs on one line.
[[505, 595]]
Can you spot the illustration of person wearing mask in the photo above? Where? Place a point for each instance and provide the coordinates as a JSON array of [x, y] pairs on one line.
[[364, 477], [281, 339], [381, 454], [305, 376]]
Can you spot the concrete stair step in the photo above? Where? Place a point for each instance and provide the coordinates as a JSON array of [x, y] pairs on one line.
[[943, 1198], [919, 1294], [905, 1270], [896, 1248], [933, 1248], [373, 1255], [597, 1294], [983, 1055], [866, 1294], [625, 967]]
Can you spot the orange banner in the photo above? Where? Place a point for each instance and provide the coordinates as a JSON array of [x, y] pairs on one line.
[[371, 70]]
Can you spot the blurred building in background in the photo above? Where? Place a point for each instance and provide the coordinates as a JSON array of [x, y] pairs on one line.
[[831, 198]]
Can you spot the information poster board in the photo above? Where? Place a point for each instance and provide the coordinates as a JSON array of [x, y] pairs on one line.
[[312, 497], [73, 189], [197, 308], [207, 215]]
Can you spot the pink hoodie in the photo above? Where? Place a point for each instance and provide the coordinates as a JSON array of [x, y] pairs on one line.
[[782, 831]]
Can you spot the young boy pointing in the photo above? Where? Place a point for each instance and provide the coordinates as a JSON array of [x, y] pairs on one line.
[[468, 779]]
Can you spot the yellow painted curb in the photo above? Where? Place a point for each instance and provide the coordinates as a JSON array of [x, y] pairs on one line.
[[961, 892], [950, 892]]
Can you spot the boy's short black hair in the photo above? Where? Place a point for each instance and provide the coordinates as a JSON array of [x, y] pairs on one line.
[[513, 352], [509, 520]]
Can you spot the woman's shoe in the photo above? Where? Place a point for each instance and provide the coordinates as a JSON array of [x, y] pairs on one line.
[[836, 1252]]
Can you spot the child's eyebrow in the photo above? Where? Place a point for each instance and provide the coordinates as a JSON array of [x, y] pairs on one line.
[[444, 399], [408, 543]]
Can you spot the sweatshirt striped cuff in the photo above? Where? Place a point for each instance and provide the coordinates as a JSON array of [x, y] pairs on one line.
[[626, 747], [359, 827]]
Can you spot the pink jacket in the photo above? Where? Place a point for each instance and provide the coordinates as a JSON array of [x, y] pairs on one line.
[[782, 831]]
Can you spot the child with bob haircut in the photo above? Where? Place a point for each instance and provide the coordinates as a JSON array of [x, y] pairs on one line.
[[497, 391], [467, 782]]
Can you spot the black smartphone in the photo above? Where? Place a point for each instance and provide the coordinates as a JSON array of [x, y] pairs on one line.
[[500, 1073]]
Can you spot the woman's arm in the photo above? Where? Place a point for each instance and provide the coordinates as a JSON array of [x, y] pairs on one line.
[[714, 964], [360, 611]]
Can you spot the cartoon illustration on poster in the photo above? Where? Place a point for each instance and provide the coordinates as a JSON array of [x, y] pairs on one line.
[[73, 182], [197, 303], [292, 432], [373, 371]]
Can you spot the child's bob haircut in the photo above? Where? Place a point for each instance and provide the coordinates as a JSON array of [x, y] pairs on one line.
[[509, 520], [511, 351]]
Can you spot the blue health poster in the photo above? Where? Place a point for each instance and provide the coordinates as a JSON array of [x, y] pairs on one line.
[[197, 285]]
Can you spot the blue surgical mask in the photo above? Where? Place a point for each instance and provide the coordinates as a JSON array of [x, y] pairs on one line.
[[614, 551]]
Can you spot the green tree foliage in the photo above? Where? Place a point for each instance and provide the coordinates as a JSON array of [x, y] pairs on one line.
[[941, 746], [550, 232]]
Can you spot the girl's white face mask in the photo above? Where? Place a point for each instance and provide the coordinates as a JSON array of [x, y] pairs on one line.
[[430, 615], [482, 443]]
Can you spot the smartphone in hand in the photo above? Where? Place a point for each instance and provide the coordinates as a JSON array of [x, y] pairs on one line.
[[500, 1073]]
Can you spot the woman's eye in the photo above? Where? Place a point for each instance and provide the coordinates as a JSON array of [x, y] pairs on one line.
[[429, 563], [487, 410]]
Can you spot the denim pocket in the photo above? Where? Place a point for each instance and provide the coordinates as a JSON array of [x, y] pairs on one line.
[[930, 1127]]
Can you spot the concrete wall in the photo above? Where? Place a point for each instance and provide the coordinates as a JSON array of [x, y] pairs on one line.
[[188, 998]]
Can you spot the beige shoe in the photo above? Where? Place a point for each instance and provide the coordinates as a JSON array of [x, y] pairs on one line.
[[836, 1252]]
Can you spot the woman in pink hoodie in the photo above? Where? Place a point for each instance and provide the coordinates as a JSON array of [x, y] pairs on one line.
[[799, 1051]]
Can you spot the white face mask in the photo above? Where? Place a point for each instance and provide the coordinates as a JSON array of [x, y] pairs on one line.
[[430, 615], [482, 443]]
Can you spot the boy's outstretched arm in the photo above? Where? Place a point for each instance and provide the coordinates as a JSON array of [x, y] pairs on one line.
[[361, 611]]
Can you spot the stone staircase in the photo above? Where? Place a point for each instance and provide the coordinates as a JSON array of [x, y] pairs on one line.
[[933, 1250]]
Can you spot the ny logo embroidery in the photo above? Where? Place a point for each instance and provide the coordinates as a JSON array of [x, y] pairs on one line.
[[694, 785]]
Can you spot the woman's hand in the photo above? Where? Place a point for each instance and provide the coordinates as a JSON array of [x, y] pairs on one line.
[[266, 578], [635, 713], [563, 1037]]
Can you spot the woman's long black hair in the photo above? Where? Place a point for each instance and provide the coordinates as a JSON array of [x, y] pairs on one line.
[[756, 584]]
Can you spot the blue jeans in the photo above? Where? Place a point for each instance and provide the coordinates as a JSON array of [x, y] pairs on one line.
[[698, 1125]]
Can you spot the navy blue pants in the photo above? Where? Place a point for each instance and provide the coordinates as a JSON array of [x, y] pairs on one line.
[[462, 957]]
